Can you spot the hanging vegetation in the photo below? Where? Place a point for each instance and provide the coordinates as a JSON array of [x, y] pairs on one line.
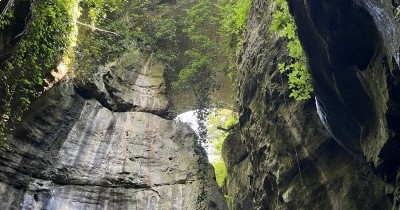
[[296, 67], [43, 41]]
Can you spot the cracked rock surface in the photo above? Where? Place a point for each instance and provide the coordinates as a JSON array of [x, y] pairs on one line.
[[74, 153], [134, 82]]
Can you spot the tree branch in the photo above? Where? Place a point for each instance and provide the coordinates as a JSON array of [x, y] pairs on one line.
[[223, 129], [97, 29], [9, 4], [26, 26]]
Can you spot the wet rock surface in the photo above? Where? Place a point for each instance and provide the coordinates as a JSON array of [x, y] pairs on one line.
[[352, 48], [294, 161]]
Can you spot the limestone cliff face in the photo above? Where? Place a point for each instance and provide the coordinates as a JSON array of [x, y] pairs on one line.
[[134, 82], [293, 161], [99, 152]]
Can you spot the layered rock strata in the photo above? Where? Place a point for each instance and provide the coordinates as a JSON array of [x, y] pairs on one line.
[[74, 152]]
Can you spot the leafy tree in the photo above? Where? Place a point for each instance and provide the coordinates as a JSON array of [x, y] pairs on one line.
[[215, 30], [233, 15], [119, 25], [108, 28], [199, 74]]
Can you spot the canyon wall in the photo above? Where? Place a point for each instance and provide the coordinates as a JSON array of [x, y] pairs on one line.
[[345, 157], [104, 144]]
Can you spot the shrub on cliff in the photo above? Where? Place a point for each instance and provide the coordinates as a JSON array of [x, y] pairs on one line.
[[296, 67]]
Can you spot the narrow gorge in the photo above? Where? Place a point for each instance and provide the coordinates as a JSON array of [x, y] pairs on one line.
[[91, 92]]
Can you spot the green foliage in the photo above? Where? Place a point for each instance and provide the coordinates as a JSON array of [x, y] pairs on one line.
[[220, 171], [220, 119], [233, 19], [39, 51], [142, 25], [214, 32], [7, 19], [198, 24], [94, 47], [97, 10], [296, 69], [233, 15], [199, 74]]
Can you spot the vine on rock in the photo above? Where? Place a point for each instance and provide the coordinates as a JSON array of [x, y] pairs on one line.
[[44, 41]]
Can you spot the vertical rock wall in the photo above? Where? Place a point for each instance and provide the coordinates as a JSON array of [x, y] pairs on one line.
[[291, 161], [107, 150], [352, 48]]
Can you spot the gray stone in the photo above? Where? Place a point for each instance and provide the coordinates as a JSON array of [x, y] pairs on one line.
[[134, 82], [233, 149], [351, 51], [293, 162], [73, 153]]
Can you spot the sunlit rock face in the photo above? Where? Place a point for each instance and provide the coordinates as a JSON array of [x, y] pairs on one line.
[[74, 153], [134, 82], [292, 161]]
